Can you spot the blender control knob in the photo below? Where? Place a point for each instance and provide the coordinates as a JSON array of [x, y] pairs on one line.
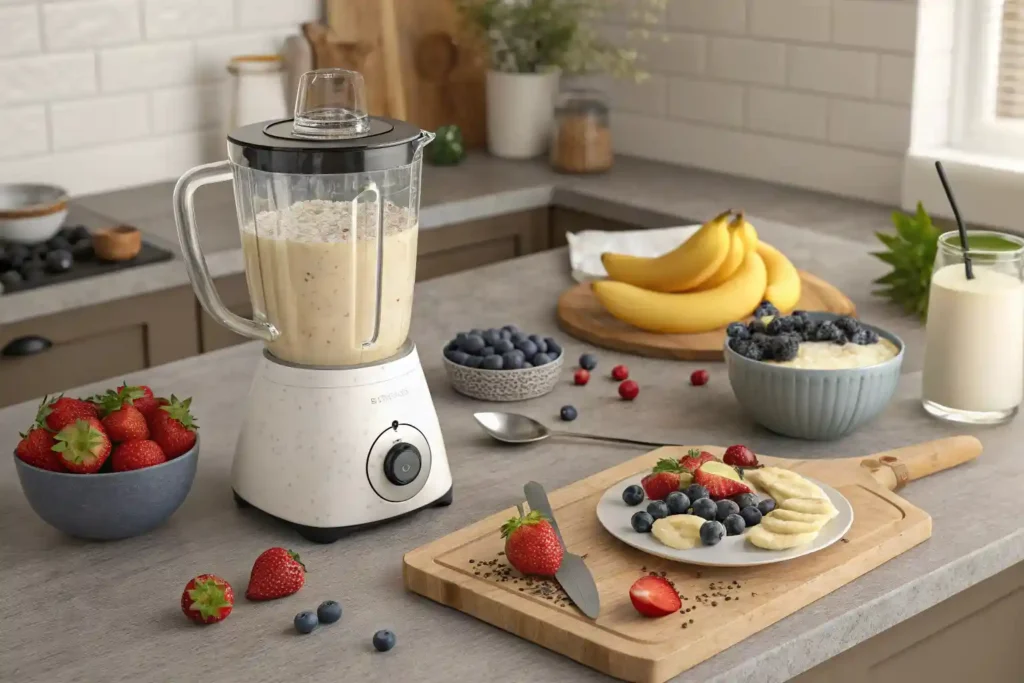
[[402, 464]]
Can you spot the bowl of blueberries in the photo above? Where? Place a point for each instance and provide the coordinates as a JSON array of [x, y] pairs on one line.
[[502, 364], [816, 376]]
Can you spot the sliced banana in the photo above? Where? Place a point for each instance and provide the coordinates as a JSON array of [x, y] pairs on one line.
[[794, 516], [810, 506], [769, 540], [681, 532], [784, 484], [784, 526]]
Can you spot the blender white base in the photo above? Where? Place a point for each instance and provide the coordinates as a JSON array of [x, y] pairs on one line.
[[313, 444]]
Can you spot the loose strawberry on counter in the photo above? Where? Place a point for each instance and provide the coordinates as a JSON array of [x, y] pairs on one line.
[[663, 480], [134, 455], [531, 545], [83, 446], [207, 599], [654, 596], [62, 411], [173, 427], [277, 572], [721, 480]]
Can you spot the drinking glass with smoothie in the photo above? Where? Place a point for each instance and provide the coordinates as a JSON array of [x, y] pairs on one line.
[[974, 343]]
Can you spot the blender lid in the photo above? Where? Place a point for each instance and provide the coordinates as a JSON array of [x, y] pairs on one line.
[[330, 132]]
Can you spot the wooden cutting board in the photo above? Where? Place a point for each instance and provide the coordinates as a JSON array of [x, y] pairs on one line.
[[466, 570], [582, 316]]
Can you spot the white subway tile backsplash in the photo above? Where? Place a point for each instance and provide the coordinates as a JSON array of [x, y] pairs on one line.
[[19, 30], [213, 54], [23, 131], [186, 108], [90, 23], [97, 121], [792, 114], [839, 72], [647, 97], [47, 77], [752, 61], [263, 13], [881, 24], [718, 103], [178, 18], [882, 127], [808, 20], [147, 66], [715, 16], [896, 79], [674, 53]]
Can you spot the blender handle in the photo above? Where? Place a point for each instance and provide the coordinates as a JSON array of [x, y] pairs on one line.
[[195, 262], [379, 275]]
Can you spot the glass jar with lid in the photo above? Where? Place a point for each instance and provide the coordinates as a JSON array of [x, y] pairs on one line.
[[582, 138]]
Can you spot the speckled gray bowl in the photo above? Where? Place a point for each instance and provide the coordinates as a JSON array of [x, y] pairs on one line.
[[820, 405], [504, 385], [111, 505]]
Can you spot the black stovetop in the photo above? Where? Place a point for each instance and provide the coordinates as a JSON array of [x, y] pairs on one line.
[[24, 267]]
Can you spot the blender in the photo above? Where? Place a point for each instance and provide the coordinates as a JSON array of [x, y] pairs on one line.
[[340, 431]]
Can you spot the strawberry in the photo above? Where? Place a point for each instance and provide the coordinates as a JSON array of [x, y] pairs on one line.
[[721, 480], [141, 397], [663, 480], [654, 596], [692, 461], [36, 448], [277, 572], [207, 599], [83, 446], [531, 545], [173, 427], [126, 424], [739, 456], [62, 411], [134, 455]]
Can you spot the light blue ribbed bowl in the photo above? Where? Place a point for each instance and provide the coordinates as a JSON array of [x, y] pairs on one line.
[[819, 405]]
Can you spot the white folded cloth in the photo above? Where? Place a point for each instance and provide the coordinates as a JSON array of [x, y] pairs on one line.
[[586, 247]]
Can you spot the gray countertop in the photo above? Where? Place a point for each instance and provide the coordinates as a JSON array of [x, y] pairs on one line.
[[642, 192], [76, 611]]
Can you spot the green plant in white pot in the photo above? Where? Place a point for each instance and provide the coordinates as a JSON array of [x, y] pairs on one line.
[[531, 43]]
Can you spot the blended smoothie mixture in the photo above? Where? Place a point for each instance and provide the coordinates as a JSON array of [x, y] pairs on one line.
[[313, 275], [974, 349]]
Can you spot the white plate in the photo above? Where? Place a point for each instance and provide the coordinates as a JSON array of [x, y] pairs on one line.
[[732, 551]]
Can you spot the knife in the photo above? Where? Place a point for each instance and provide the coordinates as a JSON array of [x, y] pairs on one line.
[[573, 576]]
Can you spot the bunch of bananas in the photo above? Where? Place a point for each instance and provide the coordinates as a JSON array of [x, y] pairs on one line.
[[717, 276]]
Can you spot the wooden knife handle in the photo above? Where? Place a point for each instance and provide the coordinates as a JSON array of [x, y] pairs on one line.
[[894, 469]]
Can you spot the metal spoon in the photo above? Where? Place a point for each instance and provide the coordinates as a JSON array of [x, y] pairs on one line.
[[515, 428]]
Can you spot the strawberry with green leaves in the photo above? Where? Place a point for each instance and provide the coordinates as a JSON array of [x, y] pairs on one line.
[[62, 411], [663, 480], [83, 446], [694, 458], [531, 545], [36, 445], [207, 599], [173, 427], [141, 397], [276, 573]]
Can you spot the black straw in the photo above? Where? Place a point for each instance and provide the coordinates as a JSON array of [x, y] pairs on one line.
[[959, 221]]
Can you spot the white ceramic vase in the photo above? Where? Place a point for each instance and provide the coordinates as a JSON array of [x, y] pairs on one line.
[[520, 112]]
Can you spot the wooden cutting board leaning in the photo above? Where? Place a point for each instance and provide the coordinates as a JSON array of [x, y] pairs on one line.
[[721, 606]]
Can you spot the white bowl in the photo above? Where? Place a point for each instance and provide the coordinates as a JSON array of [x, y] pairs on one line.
[[31, 213]]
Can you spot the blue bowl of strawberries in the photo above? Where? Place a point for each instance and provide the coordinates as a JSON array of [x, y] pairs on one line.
[[110, 466]]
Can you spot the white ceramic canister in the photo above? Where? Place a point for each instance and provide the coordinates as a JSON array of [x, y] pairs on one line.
[[520, 111], [257, 90]]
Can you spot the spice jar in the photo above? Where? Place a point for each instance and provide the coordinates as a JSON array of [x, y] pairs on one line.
[[582, 139]]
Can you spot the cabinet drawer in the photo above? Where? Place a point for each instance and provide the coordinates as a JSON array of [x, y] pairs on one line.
[[235, 294], [454, 248]]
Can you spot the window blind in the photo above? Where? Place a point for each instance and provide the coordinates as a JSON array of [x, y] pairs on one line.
[[1010, 84]]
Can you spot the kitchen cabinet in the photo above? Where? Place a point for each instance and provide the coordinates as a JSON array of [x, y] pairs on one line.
[[454, 248], [95, 342], [564, 220], [235, 294]]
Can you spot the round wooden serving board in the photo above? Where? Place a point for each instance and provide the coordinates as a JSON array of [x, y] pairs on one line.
[[582, 316]]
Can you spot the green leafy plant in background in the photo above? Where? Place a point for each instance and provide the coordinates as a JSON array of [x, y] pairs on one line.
[[530, 36], [911, 253]]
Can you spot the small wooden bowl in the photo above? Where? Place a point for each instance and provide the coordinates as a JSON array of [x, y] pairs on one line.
[[120, 243]]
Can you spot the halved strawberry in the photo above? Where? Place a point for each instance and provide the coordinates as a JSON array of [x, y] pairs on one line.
[[721, 480], [654, 596], [83, 446], [692, 461], [663, 480]]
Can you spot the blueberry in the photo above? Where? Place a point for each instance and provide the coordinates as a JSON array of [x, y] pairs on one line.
[[848, 325], [505, 334], [751, 516], [810, 331], [734, 525], [511, 329], [765, 506], [477, 331], [800, 320], [737, 331], [756, 327], [542, 346], [527, 364], [18, 252], [458, 357], [78, 233], [58, 242], [82, 250], [39, 251], [31, 271], [780, 325], [474, 361], [554, 348], [11, 279], [473, 343], [486, 351], [492, 362], [305, 622], [765, 309], [827, 331], [59, 260], [706, 508], [518, 337], [726, 508], [528, 348], [513, 360], [328, 612], [641, 522], [492, 336], [745, 500], [864, 336], [633, 494], [541, 359], [747, 348], [677, 503], [695, 492], [503, 346], [657, 509], [711, 532], [460, 338], [785, 347], [588, 361], [568, 413], [383, 640]]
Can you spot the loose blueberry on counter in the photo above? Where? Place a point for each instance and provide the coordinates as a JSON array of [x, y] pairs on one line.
[[568, 413], [328, 612], [383, 640], [641, 522], [503, 346], [474, 361], [706, 508], [554, 348], [59, 260], [737, 331], [633, 494], [305, 622], [677, 503], [711, 532], [745, 500], [734, 525], [751, 516], [765, 506], [726, 508], [765, 309], [695, 492], [588, 361], [492, 362], [657, 509]]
